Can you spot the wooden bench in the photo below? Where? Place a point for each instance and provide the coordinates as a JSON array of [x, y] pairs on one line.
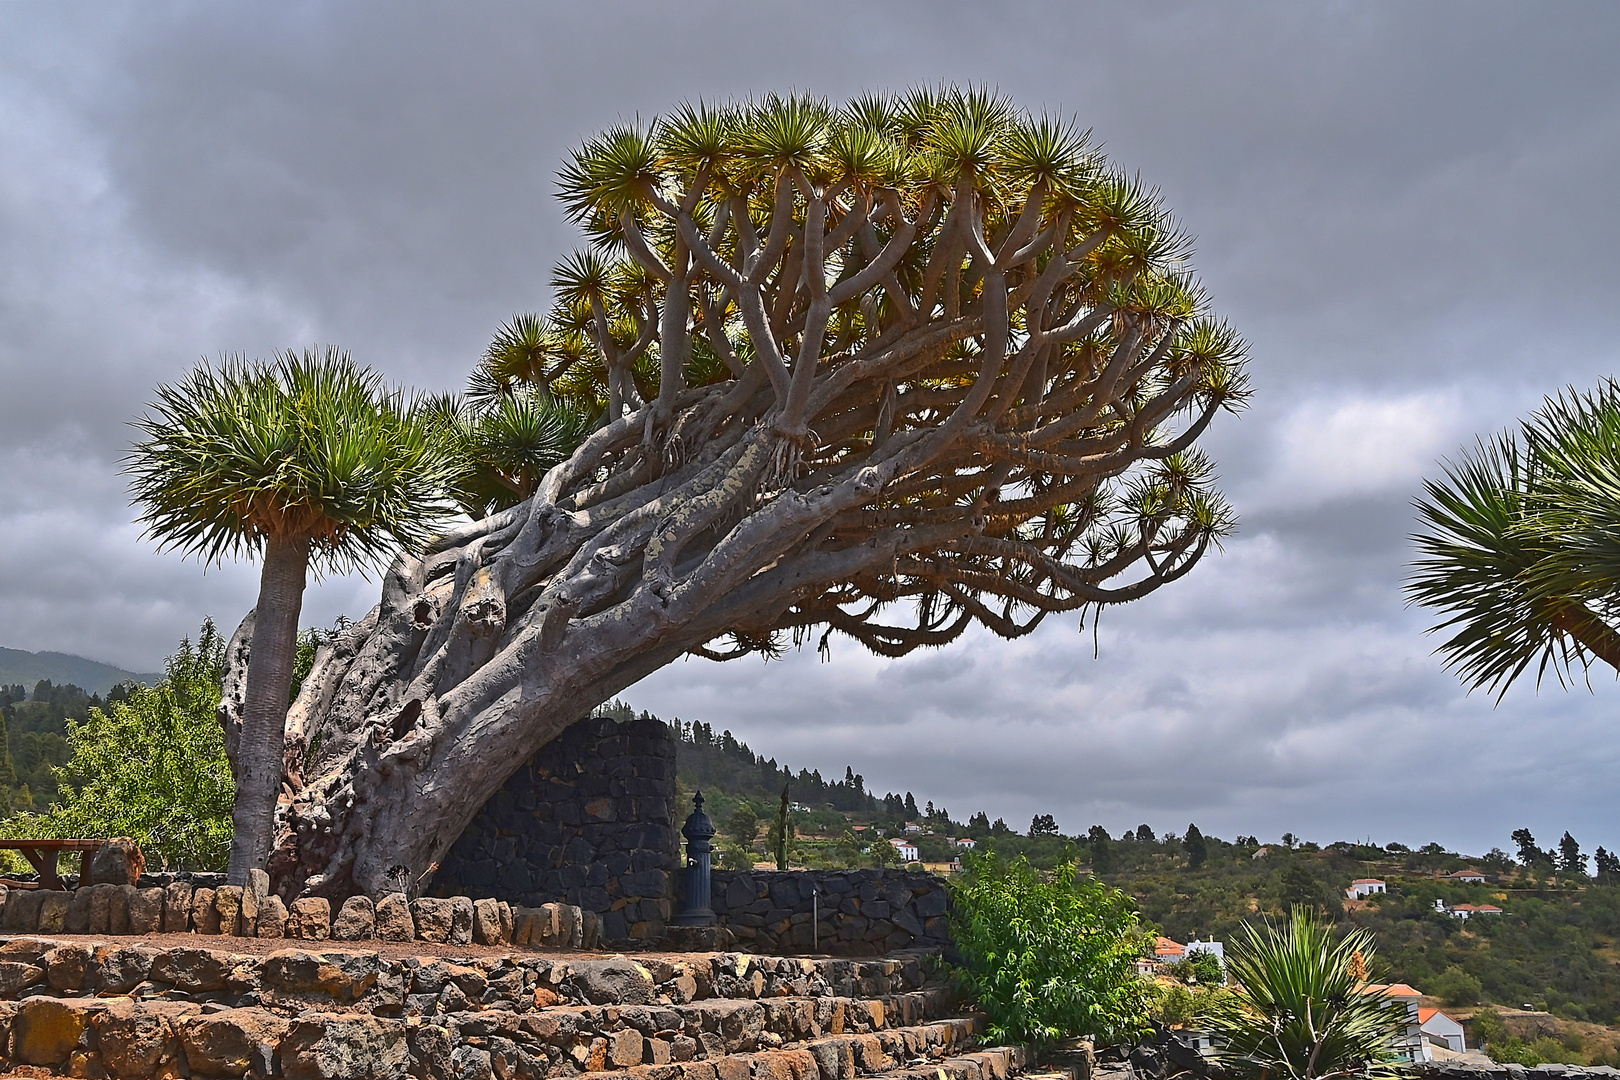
[[42, 854]]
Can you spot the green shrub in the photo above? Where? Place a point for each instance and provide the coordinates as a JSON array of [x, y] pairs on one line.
[[152, 767], [1174, 1004], [1455, 986], [1299, 1009], [1048, 957]]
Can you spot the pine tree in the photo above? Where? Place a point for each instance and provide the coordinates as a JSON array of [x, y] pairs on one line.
[[1570, 859], [1197, 850]]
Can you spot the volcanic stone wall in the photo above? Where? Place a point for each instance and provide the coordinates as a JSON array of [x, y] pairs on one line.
[[588, 821], [857, 912]]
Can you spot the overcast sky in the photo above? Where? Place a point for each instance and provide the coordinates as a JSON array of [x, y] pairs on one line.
[[1408, 210]]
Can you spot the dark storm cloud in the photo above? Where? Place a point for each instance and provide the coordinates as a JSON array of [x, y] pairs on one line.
[[1407, 210]]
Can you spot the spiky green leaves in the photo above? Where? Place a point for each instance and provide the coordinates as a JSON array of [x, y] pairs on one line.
[[1521, 546], [309, 446], [1300, 1009]]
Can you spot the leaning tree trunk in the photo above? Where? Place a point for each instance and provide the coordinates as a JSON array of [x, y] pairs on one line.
[[968, 400], [257, 741]]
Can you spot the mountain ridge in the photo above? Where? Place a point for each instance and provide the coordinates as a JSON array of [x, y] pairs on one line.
[[91, 676]]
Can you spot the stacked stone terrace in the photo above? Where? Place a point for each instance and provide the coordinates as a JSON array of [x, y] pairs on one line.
[[94, 1009]]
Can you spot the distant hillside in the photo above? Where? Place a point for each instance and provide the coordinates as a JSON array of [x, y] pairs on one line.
[[28, 668]]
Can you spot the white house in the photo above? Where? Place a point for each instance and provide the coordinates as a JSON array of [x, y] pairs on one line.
[[912, 828], [967, 842], [1441, 1030], [1471, 876], [1413, 1045], [907, 850], [1463, 911], [1361, 888]]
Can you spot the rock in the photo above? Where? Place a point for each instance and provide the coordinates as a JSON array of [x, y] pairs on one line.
[[53, 909], [118, 911], [523, 925], [192, 970], [18, 975], [232, 1042], [138, 1042], [433, 918], [204, 915], [931, 904], [310, 918], [293, 975], [46, 1030], [625, 1048], [120, 970], [344, 1048], [177, 908], [21, 912], [394, 922], [78, 912], [356, 920], [470, 1063], [228, 902], [486, 922], [117, 862], [272, 921], [461, 915], [101, 901], [67, 967], [146, 911], [508, 924], [613, 982], [590, 924], [566, 924], [431, 1047], [256, 893]]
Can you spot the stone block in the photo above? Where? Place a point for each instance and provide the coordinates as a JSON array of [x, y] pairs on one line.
[[228, 902], [117, 862], [235, 1042], [192, 970], [146, 911], [310, 919], [120, 970], [433, 917], [46, 1030], [118, 908], [486, 923], [78, 912], [356, 920], [53, 909], [177, 908], [461, 918], [139, 1042], [18, 975], [394, 922], [508, 923], [204, 914], [272, 921], [22, 910], [68, 967], [344, 1048]]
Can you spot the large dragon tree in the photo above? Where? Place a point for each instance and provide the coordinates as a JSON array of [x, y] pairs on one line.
[[887, 369]]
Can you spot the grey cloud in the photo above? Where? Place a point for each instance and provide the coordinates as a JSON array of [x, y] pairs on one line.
[[1395, 204]]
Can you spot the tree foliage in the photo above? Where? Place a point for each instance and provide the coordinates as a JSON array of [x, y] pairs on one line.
[[151, 766], [1521, 546], [1299, 1008], [1048, 957]]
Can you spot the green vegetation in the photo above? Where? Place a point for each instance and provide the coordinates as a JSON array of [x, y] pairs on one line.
[[151, 766], [1520, 553], [1299, 1007], [1048, 956]]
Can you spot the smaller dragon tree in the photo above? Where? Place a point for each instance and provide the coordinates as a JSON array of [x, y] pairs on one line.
[[887, 369]]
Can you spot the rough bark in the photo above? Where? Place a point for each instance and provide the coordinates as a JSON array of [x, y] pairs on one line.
[[257, 743], [956, 407]]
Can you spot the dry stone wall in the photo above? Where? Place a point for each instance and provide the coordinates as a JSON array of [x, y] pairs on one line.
[[589, 821], [855, 913]]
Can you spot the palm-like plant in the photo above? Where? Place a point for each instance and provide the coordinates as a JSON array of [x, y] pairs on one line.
[[308, 461], [1300, 1007], [1522, 546]]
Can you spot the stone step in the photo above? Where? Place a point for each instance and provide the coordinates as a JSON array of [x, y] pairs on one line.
[[354, 977], [990, 1063], [128, 1039]]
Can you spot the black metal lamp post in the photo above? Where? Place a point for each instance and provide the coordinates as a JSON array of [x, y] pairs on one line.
[[698, 830]]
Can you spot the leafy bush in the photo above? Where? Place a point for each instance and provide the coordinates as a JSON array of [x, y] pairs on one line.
[[1176, 1005], [1300, 1008], [151, 766], [1048, 956], [1455, 986]]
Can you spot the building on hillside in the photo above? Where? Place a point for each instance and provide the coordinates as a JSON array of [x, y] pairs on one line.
[[967, 842], [1214, 948], [907, 850], [1147, 966], [1361, 888], [912, 828], [1441, 1030], [1469, 876], [1412, 1045], [1166, 951], [1463, 911]]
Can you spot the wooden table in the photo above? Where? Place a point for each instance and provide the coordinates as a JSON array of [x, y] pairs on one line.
[[42, 854]]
